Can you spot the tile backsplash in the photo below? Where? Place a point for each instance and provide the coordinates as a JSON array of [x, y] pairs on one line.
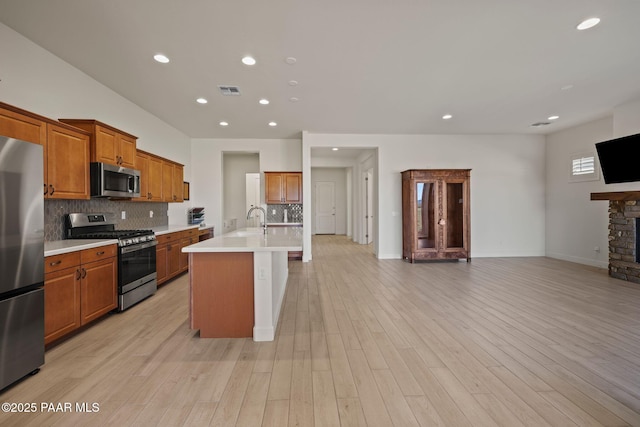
[[294, 213], [137, 214]]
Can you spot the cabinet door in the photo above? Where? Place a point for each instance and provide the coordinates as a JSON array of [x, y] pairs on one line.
[[184, 257], [426, 210], [155, 179], [173, 257], [61, 303], [67, 159], [142, 164], [19, 126], [178, 180], [273, 188], [98, 289], [292, 187], [161, 263], [107, 146], [167, 181], [127, 151]]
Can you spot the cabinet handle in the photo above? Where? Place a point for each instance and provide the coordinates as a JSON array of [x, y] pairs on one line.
[[55, 263], [78, 274], [52, 190], [84, 273], [45, 189], [100, 253], [442, 221]]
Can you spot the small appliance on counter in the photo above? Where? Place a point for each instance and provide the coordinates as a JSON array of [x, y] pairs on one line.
[[21, 260], [195, 215]]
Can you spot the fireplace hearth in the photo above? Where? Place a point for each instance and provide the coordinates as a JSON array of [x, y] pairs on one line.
[[624, 229]]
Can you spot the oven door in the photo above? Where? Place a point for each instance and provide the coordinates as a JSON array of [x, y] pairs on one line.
[[137, 265]]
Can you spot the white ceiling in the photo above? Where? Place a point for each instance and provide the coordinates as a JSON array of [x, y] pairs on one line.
[[363, 66]]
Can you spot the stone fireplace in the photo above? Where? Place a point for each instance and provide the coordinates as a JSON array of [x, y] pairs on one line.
[[624, 225]]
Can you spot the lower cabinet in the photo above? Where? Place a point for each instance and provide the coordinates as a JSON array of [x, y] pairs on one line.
[[170, 261], [79, 287]]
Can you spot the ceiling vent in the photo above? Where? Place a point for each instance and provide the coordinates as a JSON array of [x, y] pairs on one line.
[[538, 124], [229, 90]]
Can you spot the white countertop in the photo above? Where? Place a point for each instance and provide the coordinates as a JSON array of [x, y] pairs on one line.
[[172, 228], [59, 247], [252, 240]]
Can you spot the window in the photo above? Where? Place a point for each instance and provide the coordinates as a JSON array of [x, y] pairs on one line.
[[582, 167]]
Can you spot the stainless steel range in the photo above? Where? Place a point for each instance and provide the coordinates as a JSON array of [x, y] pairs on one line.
[[136, 254]]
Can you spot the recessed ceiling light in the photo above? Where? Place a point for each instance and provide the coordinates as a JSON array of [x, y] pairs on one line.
[[224, 124], [553, 117], [291, 60], [334, 149], [201, 101], [161, 58], [447, 117], [273, 124], [293, 83], [248, 60], [294, 99], [588, 23], [264, 101]]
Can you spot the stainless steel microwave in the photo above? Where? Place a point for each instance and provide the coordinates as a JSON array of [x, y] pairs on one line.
[[114, 181]]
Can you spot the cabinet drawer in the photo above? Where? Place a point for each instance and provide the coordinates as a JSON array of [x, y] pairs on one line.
[[62, 261], [169, 237], [192, 232], [95, 254]]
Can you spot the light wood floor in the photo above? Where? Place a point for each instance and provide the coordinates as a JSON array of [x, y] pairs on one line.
[[501, 341]]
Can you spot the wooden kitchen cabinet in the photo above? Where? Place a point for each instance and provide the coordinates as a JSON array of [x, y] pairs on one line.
[[170, 261], [189, 237], [66, 151], [172, 179], [283, 187], [151, 178], [79, 287], [108, 144], [66, 163], [99, 285], [16, 123], [436, 214]]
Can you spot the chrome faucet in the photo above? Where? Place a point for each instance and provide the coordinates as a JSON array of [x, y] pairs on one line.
[[264, 216]]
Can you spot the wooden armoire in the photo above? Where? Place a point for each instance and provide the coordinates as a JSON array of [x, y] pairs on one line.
[[436, 214]]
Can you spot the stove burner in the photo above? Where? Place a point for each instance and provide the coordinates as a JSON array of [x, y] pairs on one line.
[[102, 226]]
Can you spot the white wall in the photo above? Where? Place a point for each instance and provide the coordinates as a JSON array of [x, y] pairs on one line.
[[575, 224], [235, 167], [507, 186], [206, 163], [339, 177], [35, 80]]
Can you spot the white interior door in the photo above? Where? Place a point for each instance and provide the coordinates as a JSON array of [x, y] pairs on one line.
[[325, 208], [369, 206], [253, 198]]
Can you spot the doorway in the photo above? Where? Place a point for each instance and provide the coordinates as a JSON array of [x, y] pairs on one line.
[[325, 211], [253, 198], [368, 206]]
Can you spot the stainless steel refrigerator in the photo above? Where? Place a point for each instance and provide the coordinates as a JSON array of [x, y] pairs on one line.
[[21, 260]]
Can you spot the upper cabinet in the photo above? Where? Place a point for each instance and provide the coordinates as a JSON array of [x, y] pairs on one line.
[[283, 187], [108, 144], [16, 124], [160, 179], [65, 151], [66, 163], [172, 179]]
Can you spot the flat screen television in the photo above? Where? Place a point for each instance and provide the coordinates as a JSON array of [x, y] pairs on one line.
[[620, 159]]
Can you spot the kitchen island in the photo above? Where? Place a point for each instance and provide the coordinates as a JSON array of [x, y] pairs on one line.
[[237, 282]]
